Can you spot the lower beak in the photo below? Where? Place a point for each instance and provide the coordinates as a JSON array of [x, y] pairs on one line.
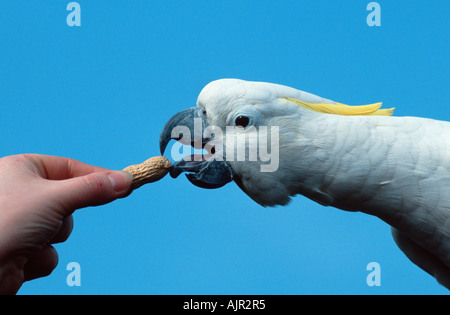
[[205, 173]]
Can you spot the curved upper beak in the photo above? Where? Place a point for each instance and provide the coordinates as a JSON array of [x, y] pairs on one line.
[[188, 127], [190, 121]]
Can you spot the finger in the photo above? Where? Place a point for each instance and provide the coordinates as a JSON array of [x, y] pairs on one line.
[[91, 190], [57, 168], [42, 264], [64, 231]]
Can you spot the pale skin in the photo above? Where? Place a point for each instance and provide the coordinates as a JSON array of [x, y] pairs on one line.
[[38, 195]]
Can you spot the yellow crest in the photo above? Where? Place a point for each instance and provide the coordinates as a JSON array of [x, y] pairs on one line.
[[342, 109]]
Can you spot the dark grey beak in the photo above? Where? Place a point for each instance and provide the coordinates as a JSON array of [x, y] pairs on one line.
[[187, 126], [176, 125]]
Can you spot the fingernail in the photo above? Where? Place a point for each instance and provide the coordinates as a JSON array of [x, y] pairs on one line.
[[120, 180]]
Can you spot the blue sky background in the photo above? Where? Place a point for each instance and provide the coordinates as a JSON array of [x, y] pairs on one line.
[[102, 92]]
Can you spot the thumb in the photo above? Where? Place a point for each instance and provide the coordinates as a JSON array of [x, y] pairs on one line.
[[92, 189]]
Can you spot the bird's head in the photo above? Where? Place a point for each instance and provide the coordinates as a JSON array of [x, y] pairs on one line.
[[251, 132]]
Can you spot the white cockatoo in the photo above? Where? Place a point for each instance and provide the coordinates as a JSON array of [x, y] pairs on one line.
[[355, 158]]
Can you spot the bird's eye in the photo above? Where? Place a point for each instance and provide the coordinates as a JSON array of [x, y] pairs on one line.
[[204, 112], [242, 121]]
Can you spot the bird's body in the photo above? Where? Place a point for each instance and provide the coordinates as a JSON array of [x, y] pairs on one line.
[[395, 168]]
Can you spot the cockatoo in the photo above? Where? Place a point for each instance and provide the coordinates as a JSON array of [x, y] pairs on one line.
[[355, 158]]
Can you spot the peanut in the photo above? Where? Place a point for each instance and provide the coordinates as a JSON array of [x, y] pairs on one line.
[[149, 171]]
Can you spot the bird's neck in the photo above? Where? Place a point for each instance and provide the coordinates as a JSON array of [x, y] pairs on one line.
[[344, 155], [384, 166], [395, 168], [367, 164]]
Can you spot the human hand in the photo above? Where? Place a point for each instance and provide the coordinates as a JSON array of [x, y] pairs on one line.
[[38, 195]]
